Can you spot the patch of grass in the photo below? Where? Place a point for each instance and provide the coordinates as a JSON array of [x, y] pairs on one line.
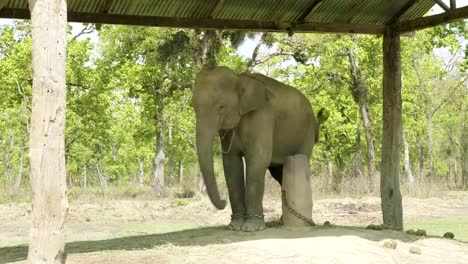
[[10, 195], [439, 226]]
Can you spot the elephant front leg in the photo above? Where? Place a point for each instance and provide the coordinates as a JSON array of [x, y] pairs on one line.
[[234, 173], [255, 186]]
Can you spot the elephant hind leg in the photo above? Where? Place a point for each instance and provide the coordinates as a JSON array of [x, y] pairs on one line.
[[276, 172]]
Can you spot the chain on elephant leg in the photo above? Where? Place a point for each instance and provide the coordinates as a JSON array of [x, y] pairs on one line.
[[254, 223], [237, 221]]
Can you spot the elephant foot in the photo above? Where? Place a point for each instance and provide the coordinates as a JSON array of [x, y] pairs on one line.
[[237, 221], [254, 223]]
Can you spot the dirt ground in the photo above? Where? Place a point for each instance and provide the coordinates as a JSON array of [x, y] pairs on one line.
[[141, 230]]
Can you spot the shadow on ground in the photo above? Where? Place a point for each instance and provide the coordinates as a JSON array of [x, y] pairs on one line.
[[207, 236]]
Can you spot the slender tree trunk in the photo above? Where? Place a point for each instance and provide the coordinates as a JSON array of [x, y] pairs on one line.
[[360, 92], [407, 163], [181, 172], [430, 143], [422, 163], [47, 138], [201, 183], [19, 178], [158, 165], [464, 142], [9, 158], [171, 158], [141, 171], [359, 168], [85, 177], [102, 178]]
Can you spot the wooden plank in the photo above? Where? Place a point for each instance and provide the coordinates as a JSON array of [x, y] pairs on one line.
[[207, 23], [47, 137], [442, 5], [431, 21], [217, 9], [311, 8], [402, 11], [391, 135]]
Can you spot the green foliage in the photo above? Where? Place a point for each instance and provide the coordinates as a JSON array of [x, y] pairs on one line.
[[136, 81]]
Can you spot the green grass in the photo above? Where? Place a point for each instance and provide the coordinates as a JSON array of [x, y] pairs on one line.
[[439, 226]]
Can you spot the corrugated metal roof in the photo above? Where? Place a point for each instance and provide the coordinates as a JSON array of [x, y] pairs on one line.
[[356, 12]]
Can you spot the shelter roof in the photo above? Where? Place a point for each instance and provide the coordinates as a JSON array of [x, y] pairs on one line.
[[359, 16]]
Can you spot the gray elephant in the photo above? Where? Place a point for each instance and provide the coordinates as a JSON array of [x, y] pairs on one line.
[[257, 118]]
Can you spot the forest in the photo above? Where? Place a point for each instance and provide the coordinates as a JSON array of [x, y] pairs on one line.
[[130, 121]]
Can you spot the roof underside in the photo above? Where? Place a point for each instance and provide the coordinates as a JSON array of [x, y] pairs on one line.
[[272, 15]]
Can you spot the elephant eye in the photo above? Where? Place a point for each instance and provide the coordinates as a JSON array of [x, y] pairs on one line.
[[221, 107]]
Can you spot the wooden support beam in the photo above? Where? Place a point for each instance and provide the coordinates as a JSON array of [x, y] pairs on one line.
[[47, 137], [442, 5], [392, 131], [431, 21], [311, 8], [207, 23], [401, 12], [217, 8], [453, 4]]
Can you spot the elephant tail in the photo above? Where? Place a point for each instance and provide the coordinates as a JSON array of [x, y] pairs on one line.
[[322, 116]]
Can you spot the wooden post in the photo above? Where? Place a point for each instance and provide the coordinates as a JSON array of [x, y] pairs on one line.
[[391, 136], [297, 191], [47, 139]]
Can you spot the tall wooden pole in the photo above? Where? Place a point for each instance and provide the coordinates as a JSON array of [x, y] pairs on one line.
[[392, 131], [47, 139]]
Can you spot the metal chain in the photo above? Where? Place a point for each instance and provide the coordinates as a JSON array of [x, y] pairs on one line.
[[294, 212]]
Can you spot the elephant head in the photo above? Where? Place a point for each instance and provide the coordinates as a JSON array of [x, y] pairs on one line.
[[220, 99]]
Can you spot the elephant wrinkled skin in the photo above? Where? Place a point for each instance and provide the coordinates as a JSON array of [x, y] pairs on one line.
[[257, 118]]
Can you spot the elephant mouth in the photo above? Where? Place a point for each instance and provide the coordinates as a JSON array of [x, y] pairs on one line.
[[227, 139]]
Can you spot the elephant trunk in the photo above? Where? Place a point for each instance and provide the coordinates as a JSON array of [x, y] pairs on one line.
[[205, 139]]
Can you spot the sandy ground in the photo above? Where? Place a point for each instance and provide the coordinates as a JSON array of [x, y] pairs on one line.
[[160, 231]]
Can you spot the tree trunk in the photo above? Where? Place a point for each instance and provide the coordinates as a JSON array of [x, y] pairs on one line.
[[464, 143], [181, 172], [102, 178], [141, 171], [358, 167], [171, 158], [391, 136], [9, 158], [407, 163], [430, 144], [158, 165], [360, 92], [85, 177], [422, 163], [47, 140], [201, 183], [19, 178]]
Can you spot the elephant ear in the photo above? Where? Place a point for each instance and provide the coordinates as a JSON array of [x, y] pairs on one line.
[[254, 94]]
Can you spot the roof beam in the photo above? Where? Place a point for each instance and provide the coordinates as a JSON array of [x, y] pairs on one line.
[[442, 5], [453, 4], [402, 11], [207, 23], [311, 8], [217, 9], [431, 21]]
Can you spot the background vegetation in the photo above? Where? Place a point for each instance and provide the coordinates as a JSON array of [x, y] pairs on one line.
[[130, 121]]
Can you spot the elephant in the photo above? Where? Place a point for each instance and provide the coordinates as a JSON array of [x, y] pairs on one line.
[[256, 118]]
